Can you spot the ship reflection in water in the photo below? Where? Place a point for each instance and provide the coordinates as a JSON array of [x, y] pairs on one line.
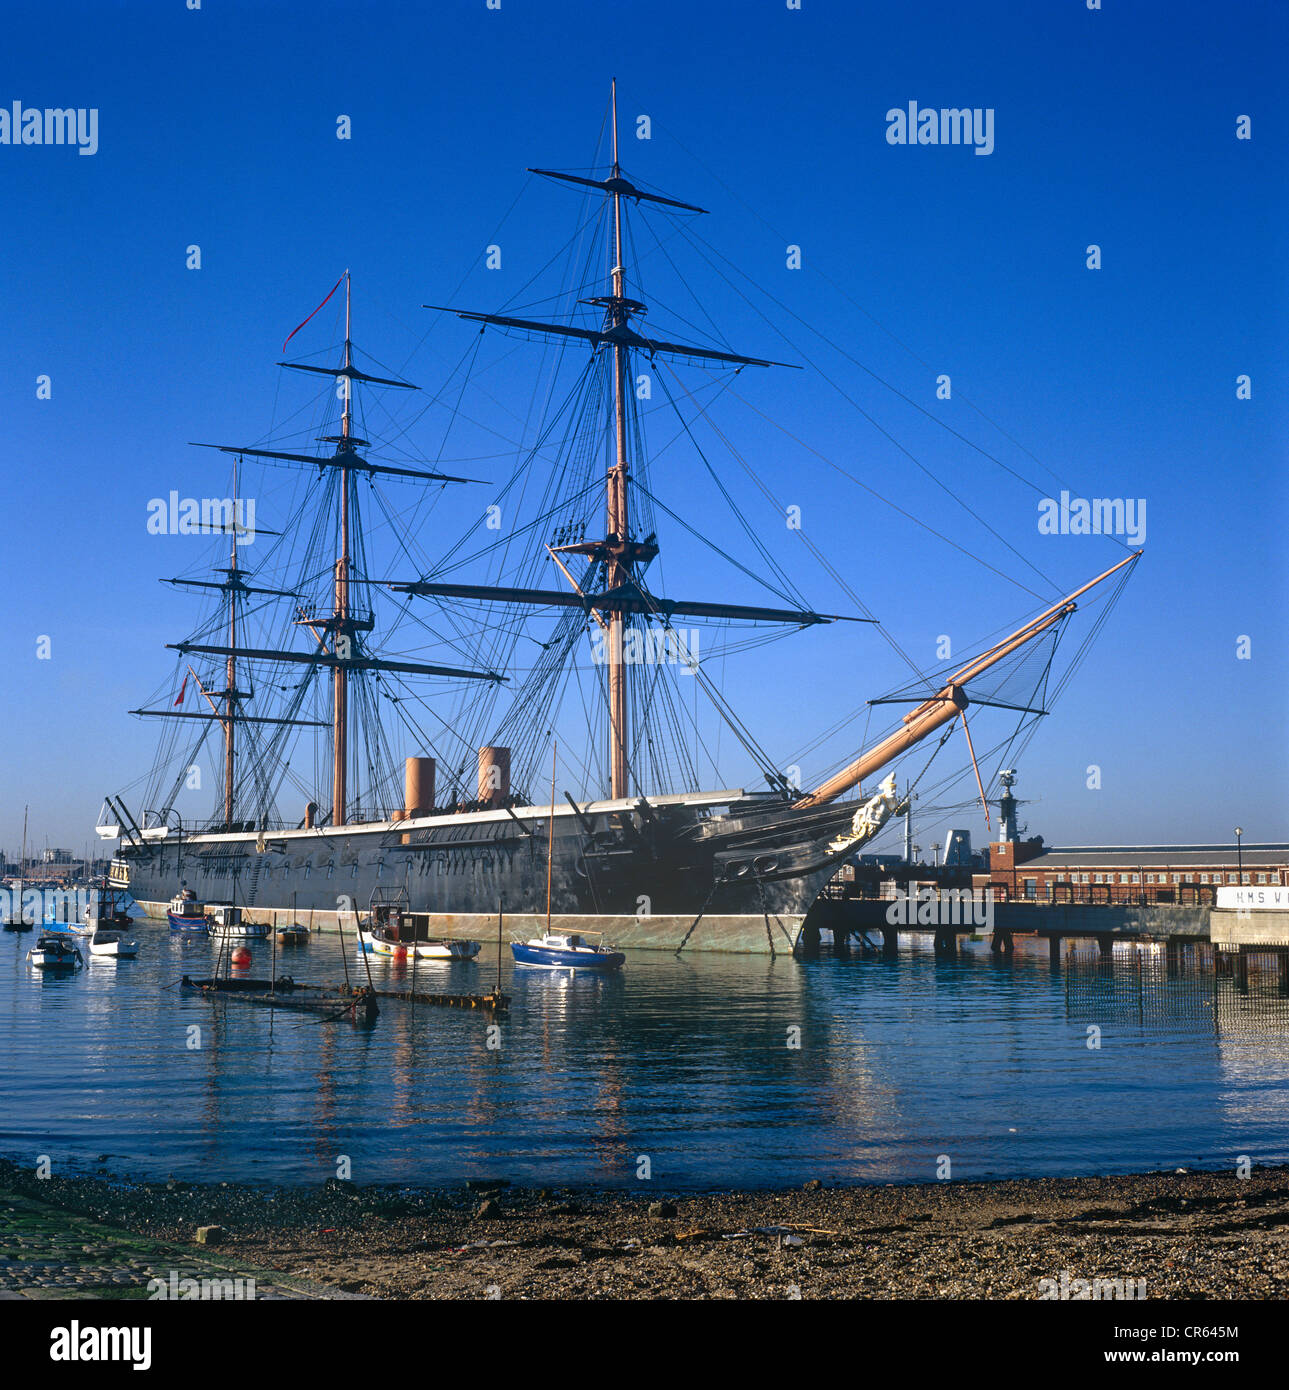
[[721, 1070]]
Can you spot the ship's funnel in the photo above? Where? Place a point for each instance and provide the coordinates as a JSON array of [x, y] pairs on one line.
[[418, 786], [494, 776]]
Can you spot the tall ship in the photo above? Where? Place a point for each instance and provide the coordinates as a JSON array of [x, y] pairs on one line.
[[497, 721]]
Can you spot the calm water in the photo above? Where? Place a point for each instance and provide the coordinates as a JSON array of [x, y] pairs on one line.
[[684, 1061]]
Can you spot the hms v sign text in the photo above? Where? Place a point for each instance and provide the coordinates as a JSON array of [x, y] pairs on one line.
[[1255, 898]]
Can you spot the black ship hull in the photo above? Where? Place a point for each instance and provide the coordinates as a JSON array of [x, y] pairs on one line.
[[742, 872]]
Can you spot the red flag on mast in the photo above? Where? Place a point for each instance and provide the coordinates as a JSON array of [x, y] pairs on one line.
[[182, 688], [318, 310]]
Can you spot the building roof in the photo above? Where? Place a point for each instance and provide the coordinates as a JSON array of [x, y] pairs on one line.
[[1160, 856]]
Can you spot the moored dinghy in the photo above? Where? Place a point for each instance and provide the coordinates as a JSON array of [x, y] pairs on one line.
[[291, 933]]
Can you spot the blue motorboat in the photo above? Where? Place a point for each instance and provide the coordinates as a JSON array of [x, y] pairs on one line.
[[568, 951], [185, 913]]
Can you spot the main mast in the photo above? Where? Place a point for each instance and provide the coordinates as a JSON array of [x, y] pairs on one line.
[[342, 637], [230, 669], [623, 559], [617, 502]]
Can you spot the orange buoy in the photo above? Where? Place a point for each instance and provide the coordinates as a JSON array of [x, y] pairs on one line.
[[241, 957]]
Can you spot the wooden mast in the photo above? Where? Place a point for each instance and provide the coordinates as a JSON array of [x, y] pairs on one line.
[[950, 700], [617, 505], [342, 638], [230, 668]]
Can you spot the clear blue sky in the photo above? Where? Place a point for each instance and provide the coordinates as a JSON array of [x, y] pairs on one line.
[[217, 127]]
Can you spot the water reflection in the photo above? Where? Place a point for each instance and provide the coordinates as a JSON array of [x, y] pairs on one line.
[[722, 1070]]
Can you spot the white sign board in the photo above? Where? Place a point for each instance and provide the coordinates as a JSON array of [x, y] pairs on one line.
[[1253, 899]]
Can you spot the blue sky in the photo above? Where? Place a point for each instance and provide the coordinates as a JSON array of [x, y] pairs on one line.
[[217, 128]]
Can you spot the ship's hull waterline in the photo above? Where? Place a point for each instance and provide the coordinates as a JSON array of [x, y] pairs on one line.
[[640, 872]]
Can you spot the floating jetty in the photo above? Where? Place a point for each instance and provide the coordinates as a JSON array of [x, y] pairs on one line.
[[337, 1000], [494, 1001], [356, 1003]]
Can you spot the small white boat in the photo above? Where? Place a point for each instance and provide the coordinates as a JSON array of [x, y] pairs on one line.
[[54, 951], [226, 921], [111, 943]]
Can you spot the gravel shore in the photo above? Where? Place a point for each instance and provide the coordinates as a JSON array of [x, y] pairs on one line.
[[1186, 1234]]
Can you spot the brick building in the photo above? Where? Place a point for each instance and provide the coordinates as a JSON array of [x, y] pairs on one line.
[[1029, 869]]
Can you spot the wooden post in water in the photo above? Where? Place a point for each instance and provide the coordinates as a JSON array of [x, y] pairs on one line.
[[358, 937]]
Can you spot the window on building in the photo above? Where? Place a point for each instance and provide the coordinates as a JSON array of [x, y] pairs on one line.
[[1262, 878], [1134, 878]]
